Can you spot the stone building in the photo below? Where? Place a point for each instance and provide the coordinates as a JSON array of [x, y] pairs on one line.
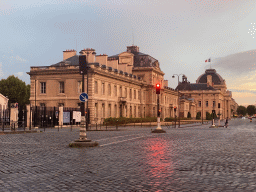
[[122, 85], [3, 105], [210, 93]]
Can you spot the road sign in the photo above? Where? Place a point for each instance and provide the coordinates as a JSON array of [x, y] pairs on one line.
[[83, 97]]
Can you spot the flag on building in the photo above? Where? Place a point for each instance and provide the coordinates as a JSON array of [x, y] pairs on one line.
[[208, 60]]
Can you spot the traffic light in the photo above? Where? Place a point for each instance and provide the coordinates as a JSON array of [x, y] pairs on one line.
[[82, 64], [158, 88], [175, 108], [158, 113]]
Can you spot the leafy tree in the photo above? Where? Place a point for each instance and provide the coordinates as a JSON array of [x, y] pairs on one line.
[[208, 116], [16, 90], [198, 115], [251, 110], [241, 110]]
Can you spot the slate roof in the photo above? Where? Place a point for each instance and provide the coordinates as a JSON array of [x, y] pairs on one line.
[[216, 78], [141, 60], [70, 61], [194, 86]]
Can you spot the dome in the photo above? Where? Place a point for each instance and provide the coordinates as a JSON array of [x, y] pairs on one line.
[[216, 78]]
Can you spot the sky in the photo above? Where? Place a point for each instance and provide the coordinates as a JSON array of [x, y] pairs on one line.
[[180, 34]]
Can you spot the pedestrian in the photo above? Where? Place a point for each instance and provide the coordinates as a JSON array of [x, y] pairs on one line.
[[226, 123]]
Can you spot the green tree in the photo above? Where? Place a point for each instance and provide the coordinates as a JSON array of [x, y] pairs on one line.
[[16, 90], [241, 110], [208, 116], [251, 110], [198, 115]]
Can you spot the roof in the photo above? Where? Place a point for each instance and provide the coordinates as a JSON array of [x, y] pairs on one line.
[[216, 78], [140, 59], [74, 60], [194, 86]]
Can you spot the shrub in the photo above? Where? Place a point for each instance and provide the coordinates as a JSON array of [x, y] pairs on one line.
[[208, 116], [198, 115]]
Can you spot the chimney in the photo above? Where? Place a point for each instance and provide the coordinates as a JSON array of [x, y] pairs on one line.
[[133, 49], [209, 80], [68, 53], [90, 53]]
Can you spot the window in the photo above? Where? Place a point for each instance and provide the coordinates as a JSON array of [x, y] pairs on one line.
[[96, 110], [115, 112], [109, 89], [96, 87], [43, 87], [115, 90], [130, 111], [120, 91], [109, 109], [125, 92], [135, 111], [206, 103], [131, 94], [213, 103], [134, 94], [218, 105], [79, 86], [139, 95], [103, 88], [103, 110], [199, 103], [61, 86]]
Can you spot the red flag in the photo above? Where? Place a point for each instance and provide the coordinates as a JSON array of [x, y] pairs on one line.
[[206, 60]]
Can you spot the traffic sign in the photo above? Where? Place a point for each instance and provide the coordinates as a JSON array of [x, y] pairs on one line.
[[83, 97]]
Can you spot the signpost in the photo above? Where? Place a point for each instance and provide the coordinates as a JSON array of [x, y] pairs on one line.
[[83, 141], [83, 97]]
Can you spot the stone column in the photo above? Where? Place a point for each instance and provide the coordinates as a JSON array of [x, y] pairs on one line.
[[60, 115], [29, 117], [14, 118]]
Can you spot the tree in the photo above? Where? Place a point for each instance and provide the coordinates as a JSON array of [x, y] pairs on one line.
[[198, 115], [251, 110], [208, 116], [16, 90], [241, 110]]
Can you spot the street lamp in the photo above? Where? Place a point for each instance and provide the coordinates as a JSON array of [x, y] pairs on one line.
[[173, 76]]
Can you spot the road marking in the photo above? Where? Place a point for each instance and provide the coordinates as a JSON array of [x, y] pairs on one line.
[[125, 140]]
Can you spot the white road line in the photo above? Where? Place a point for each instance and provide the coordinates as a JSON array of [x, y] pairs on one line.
[[124, 140], [117, 137]]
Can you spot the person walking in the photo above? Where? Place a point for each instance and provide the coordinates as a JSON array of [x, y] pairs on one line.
[[226, 123]]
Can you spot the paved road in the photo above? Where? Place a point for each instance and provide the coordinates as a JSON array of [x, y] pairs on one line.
[[197, 158]]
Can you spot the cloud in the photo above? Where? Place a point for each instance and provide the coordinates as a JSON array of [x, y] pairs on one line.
[[19, 74], [1, 70], [238, 63], [18, 58]]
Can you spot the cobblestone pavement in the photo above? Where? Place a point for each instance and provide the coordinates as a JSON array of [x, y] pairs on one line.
[[195, 158]]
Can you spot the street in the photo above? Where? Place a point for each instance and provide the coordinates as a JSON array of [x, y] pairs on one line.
[[195, 158]]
